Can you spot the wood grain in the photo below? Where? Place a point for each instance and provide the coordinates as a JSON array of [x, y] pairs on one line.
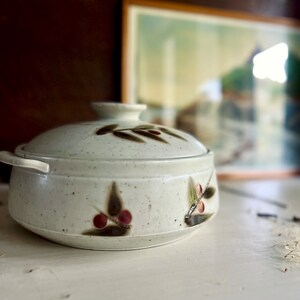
[[56, 58]]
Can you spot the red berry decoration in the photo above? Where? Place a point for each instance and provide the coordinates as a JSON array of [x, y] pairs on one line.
[[201, 207], [125, 217], [199, 190], [100, 221]]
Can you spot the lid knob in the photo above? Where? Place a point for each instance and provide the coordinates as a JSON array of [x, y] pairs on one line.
[[118, 110]]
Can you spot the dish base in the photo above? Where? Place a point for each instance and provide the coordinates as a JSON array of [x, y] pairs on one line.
[[111, 243]]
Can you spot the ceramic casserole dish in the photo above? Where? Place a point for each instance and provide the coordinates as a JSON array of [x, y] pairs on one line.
[[114, 183]]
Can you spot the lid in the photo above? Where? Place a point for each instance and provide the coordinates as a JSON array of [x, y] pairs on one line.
[[118, 134]]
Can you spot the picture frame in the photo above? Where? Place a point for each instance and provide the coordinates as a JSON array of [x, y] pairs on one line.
[[195, 68]]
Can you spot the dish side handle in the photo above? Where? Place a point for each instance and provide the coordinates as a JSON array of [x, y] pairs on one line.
[[14, 160]]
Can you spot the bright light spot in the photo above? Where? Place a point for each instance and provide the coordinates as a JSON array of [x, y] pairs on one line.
[[211, 90], [270, 63]]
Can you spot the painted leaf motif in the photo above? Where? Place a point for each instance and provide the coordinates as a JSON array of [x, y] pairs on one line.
[[153, 131], [169, 132], [144, 127], [114, 202], [209, 192], [128, 136], [197, 219], [150, 135], [192, 191], [106, 129], [110, 230]]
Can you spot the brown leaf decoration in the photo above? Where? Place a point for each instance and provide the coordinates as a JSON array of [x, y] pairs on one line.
[[169, 132], [128, 136], [144, 127], [110, 230], [197, 219], [209, 192], [150, 135], [114, 201], [106, 129]]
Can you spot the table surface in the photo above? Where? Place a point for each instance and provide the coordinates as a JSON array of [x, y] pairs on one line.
[[238, 255]]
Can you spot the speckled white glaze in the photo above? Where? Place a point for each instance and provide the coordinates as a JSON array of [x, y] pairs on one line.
[[151, 178]]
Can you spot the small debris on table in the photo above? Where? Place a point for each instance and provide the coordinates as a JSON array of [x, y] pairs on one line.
[[38, 269], [296, 219], [266, 215]]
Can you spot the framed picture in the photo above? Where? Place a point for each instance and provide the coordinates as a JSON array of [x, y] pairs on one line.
[[229, 78]]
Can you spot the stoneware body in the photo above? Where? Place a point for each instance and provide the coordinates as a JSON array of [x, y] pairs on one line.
[[115, 183]]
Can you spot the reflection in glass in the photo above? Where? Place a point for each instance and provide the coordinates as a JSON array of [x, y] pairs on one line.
[[232, 83]]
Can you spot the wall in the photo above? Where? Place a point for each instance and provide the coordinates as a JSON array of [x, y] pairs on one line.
[[58, 56]]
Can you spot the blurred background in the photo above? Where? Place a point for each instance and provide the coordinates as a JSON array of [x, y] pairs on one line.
[[58, 56], [230, 79]]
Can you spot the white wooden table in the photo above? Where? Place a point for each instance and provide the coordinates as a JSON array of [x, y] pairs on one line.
[[238, 255]]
